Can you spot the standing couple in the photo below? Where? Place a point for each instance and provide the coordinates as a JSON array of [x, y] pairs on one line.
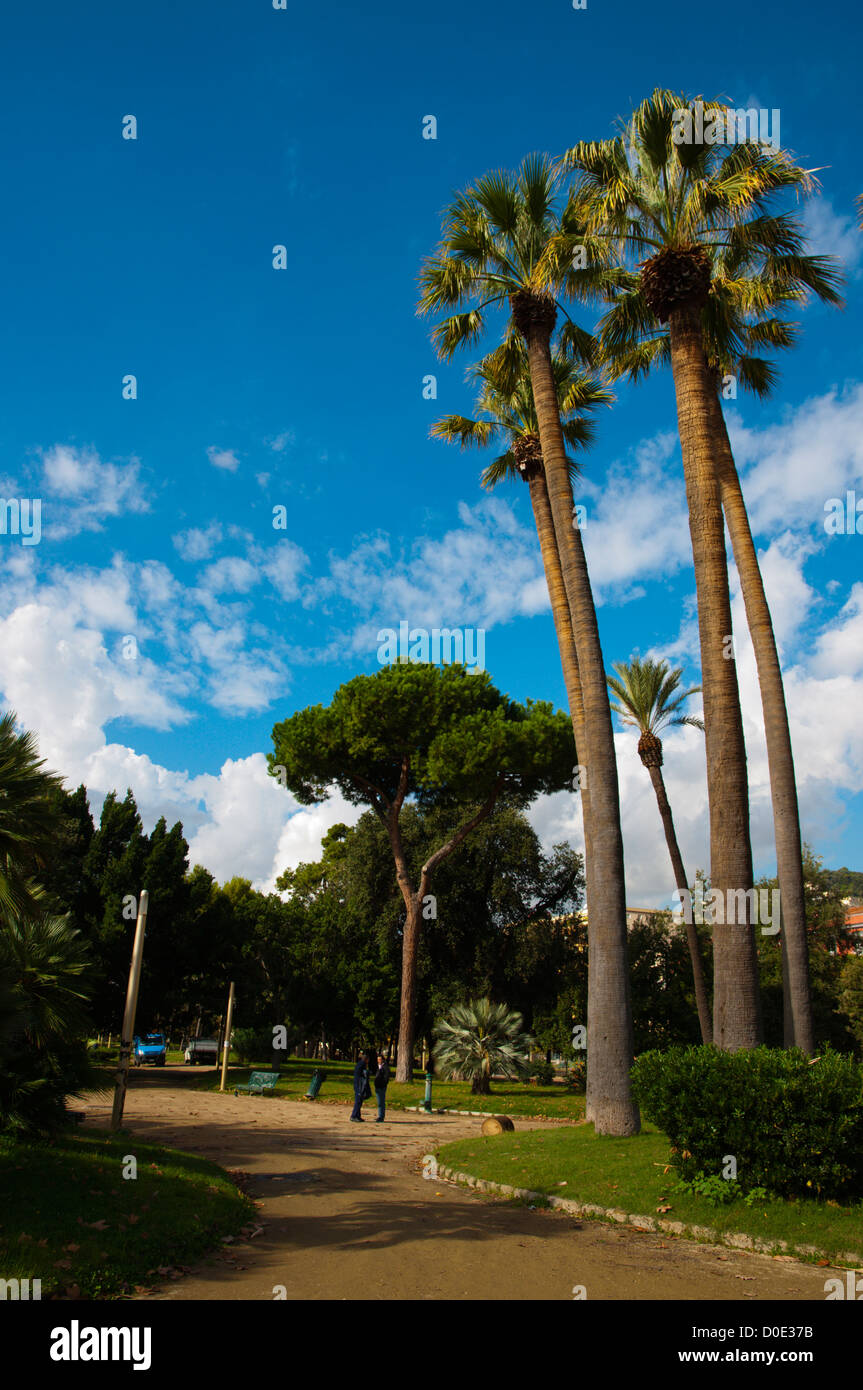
[[362, 1090]]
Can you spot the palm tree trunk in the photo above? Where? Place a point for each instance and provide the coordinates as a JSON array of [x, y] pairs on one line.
[[609, 1010], [736, 1001], [701, 1000], [562, 626], [566, 646], [799, 1024]]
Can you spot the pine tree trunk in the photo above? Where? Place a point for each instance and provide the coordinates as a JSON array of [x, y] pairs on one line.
[[799, 1024], [701, 999], [609, 1021], [736, 1001], [410, 949]]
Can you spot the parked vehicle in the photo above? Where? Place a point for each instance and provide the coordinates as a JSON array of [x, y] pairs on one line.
[[205, 1050], [150, 1050]]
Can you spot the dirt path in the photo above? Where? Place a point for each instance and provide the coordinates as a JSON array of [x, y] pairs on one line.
[[347, 1214]]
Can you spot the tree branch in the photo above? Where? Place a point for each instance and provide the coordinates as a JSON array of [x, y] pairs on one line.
[[441, 854]]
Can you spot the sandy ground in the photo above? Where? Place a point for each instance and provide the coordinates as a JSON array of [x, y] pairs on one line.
[[347, 1214]]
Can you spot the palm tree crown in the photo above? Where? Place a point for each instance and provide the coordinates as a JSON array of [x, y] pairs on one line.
[[647, 691], [27, 817], [506, 410], [480, 1038], [505, 239]]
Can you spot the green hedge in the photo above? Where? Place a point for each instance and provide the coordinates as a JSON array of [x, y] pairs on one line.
[[794, 1126]]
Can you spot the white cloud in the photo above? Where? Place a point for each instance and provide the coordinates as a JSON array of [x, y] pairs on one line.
[[637, 523], [198, 543], [81, 491], [484, 572], [255, 828], [839, 650], [232, 574], [790, 470], [64, 684], [283, 565], [223, 458], [832, 233]]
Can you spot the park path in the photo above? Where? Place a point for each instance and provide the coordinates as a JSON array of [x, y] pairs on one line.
[[347, 1214]]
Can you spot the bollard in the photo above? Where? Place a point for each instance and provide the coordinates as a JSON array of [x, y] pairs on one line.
[[427, 1103], [317, 1081]]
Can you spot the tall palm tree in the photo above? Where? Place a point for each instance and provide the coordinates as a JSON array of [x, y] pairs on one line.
[[649, 697], [749, 291], [506, 412], [676, 203], [496, 254]]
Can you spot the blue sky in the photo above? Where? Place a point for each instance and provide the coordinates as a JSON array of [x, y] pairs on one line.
[[303, 388]]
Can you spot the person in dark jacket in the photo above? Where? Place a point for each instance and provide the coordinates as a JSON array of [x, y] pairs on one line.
[[361, 1081], [382, 1080]]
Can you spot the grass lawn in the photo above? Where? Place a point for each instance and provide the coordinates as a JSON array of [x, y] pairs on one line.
[[509, 1098], [70, 1219], [630, 1174]]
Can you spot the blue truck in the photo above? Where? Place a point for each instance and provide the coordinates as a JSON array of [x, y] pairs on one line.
[[151, 1049]]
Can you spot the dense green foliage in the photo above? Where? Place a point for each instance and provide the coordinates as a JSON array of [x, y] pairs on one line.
[[837, 989], [846, 882], [441, 735], [790, 1125]]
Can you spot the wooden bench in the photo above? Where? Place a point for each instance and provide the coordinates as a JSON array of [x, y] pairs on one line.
[[260, 1083]]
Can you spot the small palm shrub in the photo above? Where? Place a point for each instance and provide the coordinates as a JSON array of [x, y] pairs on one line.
[[478, 1039], [44, 990]]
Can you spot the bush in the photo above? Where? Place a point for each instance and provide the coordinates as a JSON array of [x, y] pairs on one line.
[[544, 1073], [254, 1045], [794, 1127], [576, 1077]]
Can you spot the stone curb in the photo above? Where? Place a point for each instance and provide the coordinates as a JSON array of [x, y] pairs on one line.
[[480, 1114], [737, 1240]]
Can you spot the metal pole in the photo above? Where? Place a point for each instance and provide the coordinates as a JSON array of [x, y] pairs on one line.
[[226, 1046], [129, 1015]]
